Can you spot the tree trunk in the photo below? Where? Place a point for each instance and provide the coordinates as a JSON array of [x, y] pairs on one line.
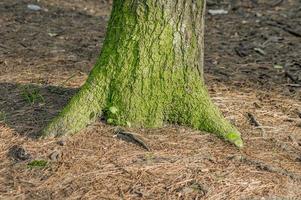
[[150, 71]]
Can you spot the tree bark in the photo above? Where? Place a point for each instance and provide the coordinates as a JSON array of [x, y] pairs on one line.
[[150, 71]]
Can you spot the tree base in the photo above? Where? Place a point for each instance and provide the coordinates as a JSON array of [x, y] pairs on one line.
[[148, 103], [150, 71]]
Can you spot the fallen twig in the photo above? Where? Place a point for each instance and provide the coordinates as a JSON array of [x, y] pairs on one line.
[[255, 123], [132, 138], [293, 85], [284, 27], [291, 31], [253, 120]]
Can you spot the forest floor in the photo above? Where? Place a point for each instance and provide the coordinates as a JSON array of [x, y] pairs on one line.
[[253, 72]]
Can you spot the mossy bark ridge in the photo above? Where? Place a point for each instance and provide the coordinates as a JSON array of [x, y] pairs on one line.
[[150, 71]]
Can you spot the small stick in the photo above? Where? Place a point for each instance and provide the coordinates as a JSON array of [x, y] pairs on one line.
[[284, 27], [253, 120], [132, 138], [256, 123]]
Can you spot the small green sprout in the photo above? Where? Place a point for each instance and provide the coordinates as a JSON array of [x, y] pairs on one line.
[[37, 164], [32, 95]]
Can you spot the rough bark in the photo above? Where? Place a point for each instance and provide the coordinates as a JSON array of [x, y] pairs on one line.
[[150, 71]]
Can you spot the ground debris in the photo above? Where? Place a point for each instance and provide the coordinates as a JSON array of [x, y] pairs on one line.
[[253, 120], [33, 7], [285, 27], [217, 12], [291, 77], [18, 153], [277, 3], [266, 167], [61, 142], [132, 138], [55, 156]]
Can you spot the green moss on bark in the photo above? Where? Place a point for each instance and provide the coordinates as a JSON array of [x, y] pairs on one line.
[[150, 71]]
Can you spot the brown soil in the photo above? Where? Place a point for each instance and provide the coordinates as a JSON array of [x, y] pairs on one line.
[[253, 65]]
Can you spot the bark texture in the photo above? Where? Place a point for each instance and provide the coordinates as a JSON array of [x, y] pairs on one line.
[[150, 71]]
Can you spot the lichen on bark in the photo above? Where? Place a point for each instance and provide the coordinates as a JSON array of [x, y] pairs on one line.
[[150, 71]]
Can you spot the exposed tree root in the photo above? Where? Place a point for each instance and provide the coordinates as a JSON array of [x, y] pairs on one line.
[[266, 167], [292, 152]]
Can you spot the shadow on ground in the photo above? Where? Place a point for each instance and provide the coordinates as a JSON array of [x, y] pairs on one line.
[[28, 108]]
